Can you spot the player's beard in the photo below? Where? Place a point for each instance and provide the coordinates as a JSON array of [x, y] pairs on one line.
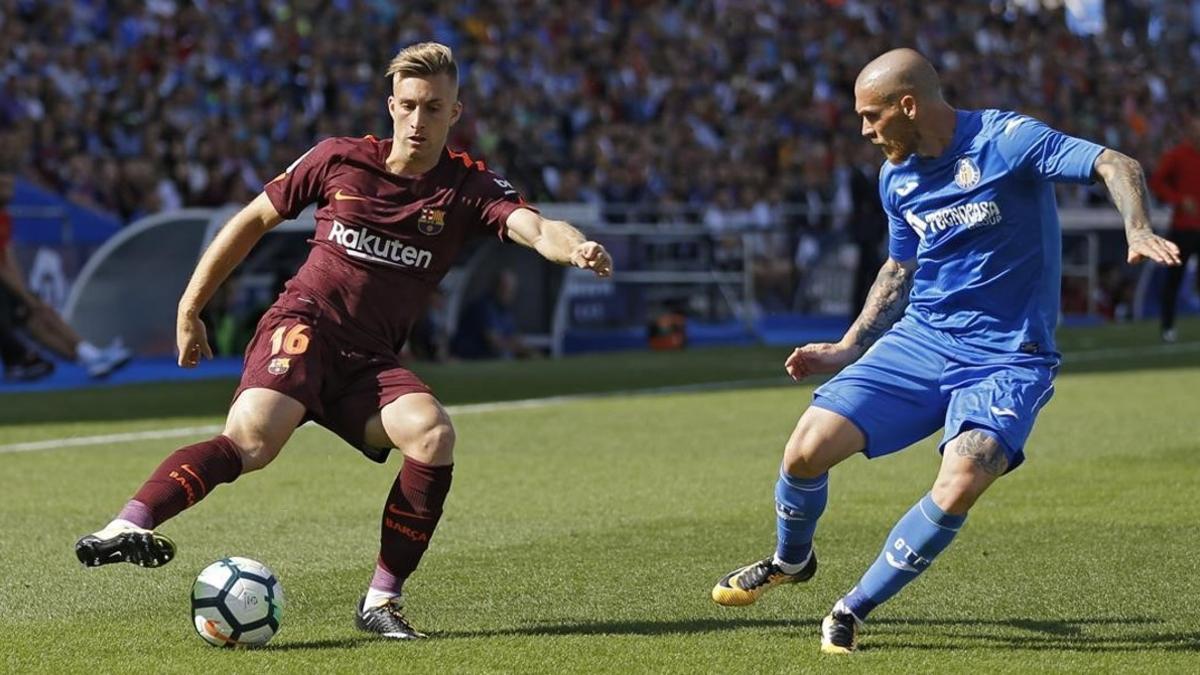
[[903, 140]]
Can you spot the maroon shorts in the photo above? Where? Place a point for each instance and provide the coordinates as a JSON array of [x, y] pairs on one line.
[[297, 354]]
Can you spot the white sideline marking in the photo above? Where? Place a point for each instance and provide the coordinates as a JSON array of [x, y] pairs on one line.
[[466, 409], [71, 442], [522, 404]]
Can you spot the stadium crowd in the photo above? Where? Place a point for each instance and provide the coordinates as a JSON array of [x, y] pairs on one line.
[[140, 105], [736, 115]]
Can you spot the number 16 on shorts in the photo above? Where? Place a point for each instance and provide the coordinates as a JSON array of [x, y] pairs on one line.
[[290, 340]]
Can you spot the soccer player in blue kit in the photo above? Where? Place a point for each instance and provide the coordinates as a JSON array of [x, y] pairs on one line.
[[957, 332]]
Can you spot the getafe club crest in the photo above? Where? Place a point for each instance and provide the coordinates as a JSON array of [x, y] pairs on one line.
[[966, 173], [279, 366], [431, 221]]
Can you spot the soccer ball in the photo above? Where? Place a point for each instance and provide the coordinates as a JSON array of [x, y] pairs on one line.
[[237, 602]]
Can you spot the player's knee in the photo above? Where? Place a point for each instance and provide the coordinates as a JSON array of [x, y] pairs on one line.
[[820, 440], [439, 437], [434, 444], [255, 449], [956, 493], [803, 456], [426, 435]]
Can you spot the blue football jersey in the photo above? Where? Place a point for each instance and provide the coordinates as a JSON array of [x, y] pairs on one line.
[[982, 223]]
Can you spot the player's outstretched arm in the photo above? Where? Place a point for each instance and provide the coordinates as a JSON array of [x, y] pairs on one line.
[[558, 242], [229, 248], [1126, 183], [885, 305]]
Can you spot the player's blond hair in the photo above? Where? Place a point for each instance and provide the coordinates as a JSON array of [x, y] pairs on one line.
[[424, 59]]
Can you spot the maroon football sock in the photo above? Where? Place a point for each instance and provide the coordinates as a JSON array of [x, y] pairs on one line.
[[185, 477], [413, 509]]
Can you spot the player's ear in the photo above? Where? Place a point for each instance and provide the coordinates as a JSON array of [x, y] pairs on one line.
[[456, 111], [392, 107], [908, 106]]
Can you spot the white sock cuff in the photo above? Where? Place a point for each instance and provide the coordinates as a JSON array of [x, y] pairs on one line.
[[119, 525], [378, 598], [840, 606], [791, 568], [86, 351]]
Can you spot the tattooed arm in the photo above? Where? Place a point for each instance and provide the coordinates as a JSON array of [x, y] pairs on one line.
[[1126, 184], [885, 305]]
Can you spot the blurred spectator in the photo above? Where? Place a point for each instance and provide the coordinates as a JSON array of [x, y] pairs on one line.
[[21, 364], [134, 106], [769, 249], [428, 341], [1176, 181], [231, 316], [704, 112], [867, 222], [230, 327], [1115, 297], [21, 308], [667, 331], [488, 327]]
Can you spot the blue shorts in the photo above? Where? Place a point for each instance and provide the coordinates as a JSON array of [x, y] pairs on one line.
[[905, 388]]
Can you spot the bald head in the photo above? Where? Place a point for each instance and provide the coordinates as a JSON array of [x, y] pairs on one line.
[[899, 98], [899, 72]]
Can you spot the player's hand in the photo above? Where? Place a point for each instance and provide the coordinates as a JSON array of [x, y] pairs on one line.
[[1147, 245], [820, 357], [192, 340], [592, 256]]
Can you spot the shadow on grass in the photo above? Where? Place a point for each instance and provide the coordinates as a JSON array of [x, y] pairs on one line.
[[1068, 635], [341, 643], [552, 629], [1132, 634], [678, 627]]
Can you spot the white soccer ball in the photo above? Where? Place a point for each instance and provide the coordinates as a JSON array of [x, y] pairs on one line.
[[237, 602]]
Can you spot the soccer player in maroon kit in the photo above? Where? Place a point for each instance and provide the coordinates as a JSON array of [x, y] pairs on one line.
[[391, 218]]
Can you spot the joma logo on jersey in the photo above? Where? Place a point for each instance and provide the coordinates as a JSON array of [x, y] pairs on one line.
[[972, 215], [431, 221], [362, 244]]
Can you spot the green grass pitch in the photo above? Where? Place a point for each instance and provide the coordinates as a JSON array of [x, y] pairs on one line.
[[583, 535]]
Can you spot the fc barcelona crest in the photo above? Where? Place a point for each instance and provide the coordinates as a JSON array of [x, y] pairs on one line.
[[279, 366], [431, 221], [966, 173]]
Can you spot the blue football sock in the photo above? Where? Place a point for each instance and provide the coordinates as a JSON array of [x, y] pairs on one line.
[[914, 542], [799, 502]]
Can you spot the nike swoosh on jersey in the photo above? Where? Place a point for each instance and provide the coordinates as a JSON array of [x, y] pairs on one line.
[[1003, 412], [908, 187], [342, 196]]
